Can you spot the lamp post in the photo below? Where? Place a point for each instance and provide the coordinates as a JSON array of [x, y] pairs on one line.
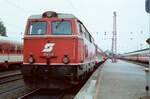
[[147, 8]]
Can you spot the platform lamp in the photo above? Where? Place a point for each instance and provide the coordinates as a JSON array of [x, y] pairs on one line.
[[147, 8]]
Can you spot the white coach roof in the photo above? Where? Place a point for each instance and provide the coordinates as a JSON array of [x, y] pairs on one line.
[[10, 40]]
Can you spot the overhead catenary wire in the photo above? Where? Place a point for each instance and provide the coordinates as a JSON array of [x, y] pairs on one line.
[[22, 10], [76, 11], [74, 8], [19, 8]]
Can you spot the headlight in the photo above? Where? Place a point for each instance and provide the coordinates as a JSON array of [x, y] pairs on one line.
[[31, 59], [66, 59], [49, 14]]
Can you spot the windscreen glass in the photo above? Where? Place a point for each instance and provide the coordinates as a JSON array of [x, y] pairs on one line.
[[37, 28], [61, 28]]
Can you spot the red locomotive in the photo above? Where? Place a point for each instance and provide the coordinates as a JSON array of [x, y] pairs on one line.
[[10, 53], [58, 50], [139, 55]]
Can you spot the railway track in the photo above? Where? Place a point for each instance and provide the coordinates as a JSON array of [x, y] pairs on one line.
[[55, 93], [10, 77], [12, 89], [43, 94]]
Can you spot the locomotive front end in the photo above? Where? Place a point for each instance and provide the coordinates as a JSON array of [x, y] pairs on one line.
[[49, 50], [59, 52]]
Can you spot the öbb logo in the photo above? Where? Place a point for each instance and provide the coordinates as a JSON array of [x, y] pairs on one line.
[[48, 47]]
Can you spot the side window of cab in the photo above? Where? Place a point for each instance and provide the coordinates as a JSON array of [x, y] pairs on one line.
[[84, 31], [79, 29]]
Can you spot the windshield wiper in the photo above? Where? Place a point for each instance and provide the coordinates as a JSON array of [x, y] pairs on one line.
[[62, 20]]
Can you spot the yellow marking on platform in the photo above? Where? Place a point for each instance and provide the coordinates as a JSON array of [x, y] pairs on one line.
[[98, 84]]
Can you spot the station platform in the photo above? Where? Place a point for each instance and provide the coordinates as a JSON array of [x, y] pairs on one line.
[[121, 80]]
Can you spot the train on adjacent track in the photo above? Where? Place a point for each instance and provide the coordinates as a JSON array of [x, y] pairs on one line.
[[10, 53], [58, 51], [139, 56]]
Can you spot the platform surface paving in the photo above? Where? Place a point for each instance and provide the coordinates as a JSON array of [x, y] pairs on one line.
[[121, 80]]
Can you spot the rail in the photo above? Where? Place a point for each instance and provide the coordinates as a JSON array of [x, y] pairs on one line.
[[10, 77], [43, 94]]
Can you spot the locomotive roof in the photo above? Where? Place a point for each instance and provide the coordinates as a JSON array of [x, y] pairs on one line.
[[60, 15]]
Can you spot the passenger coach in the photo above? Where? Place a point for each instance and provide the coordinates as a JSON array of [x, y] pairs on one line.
[[10, 53], [139, 55], [57, 46]]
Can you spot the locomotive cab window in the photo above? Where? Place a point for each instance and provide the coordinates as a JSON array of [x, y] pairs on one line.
[[79, 28], [37, 28], [61, 27]]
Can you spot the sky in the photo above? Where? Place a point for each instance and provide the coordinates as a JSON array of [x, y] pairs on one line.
[[97, 16]]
